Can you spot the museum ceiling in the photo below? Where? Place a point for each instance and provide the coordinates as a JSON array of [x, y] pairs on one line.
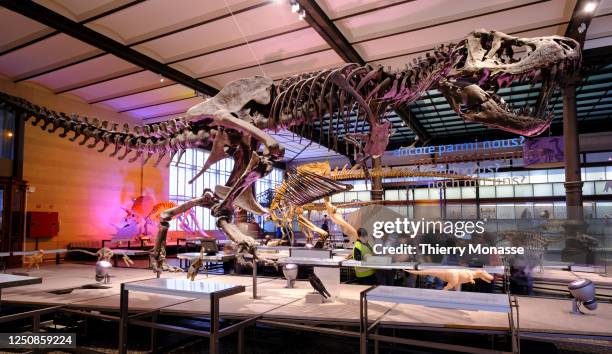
[[202, 45]]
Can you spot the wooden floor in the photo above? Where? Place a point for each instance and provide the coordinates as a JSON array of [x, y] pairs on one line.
[[275, 302]]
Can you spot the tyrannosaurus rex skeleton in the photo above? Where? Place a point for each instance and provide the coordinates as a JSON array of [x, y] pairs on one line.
[[318, 105]]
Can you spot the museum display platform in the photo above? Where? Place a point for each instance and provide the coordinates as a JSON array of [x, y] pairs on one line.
[[548, 319]]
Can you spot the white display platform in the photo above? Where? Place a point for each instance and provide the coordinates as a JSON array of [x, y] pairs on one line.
[[183, 287], [307, 261], [308, 252], [489, 269], [218, 257], [342, 251], [398, 265], [10, 280], [214, 291], [444, 299]]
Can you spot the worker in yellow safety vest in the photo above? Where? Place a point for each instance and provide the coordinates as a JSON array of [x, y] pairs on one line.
[[361, 249]]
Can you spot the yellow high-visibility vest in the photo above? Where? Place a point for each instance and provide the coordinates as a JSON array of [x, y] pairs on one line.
[[362, 272]]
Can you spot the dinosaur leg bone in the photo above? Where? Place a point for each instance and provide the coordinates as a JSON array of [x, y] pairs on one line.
[[245, 243], [337, 218], [246, 200], [158, 253], [309, 227], [257, 168]]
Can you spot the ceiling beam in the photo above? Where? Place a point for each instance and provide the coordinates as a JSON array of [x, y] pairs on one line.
[[50, 69], [581, 19], [320, 137], [326, 28], [191, 56], [87, 20], [413, 123], [74, 29]]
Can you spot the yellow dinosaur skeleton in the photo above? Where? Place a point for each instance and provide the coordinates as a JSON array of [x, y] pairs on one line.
[[34, 260], [284, 210]]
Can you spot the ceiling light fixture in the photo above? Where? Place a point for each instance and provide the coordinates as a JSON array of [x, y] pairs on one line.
[[590, 6], [302, 15], [295, 7]]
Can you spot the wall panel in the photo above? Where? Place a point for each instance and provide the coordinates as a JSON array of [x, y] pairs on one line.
[[87, 188]]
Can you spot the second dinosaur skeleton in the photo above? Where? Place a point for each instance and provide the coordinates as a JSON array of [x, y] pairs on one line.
[[296, 194], [455, 277], [318, 105], [299, 188]]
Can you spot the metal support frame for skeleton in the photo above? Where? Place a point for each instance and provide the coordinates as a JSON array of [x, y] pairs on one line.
[[232, 124]]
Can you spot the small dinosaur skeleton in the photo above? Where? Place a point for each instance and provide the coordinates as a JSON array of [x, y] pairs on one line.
[[318, 105], [34, 260], [455, 277]]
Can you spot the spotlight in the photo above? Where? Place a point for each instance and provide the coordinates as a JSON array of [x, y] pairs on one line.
[[583, 293], [9, 134], [302, 15], [295, 7], [290, 271], [590, 7]]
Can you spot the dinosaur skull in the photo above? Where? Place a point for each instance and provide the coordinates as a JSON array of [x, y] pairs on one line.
[[484, 275], [488, 61]]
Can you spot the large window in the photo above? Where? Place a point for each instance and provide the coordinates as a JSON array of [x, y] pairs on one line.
[[191, 163], [7, 142]]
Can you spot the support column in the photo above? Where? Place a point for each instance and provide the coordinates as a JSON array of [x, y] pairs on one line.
[[575, 250], [573, 182], [377, 190]]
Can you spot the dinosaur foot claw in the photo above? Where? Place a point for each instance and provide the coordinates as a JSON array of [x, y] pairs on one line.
[[170, 268], [247, 246], [163, 266]]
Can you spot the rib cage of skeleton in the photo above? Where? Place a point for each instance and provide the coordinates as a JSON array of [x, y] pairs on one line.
[[236, 121]]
